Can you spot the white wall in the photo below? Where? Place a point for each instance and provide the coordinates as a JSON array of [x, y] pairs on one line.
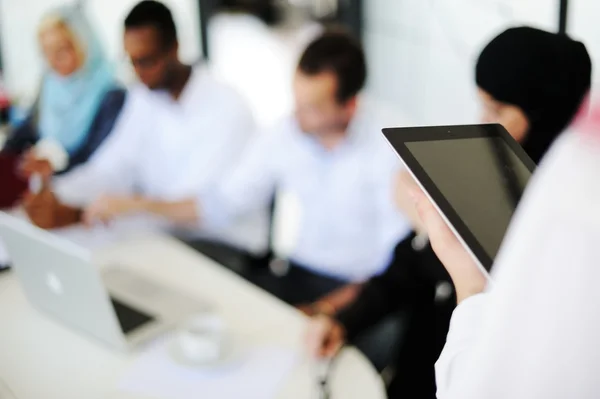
[[583, 25], [22, 62], [422, 53]]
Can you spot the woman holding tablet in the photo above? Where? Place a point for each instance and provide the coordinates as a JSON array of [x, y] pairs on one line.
[[543, 78], [533, 334]]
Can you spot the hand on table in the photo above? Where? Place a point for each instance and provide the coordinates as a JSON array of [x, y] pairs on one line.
[[307, 309], [466, 275], [322, 306], [45, 210], [107, 208], [325, 337]]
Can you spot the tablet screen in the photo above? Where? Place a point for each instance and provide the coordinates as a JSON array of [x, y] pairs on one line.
[[470, 172]]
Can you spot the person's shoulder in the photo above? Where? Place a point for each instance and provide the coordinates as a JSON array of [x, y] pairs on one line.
[[380, 114], [138, 89], [133, 104], [374, 116], [134, 99], [371, 144], [366, 128], [281, 132], [218, 97], [137, 93], [210, 87]]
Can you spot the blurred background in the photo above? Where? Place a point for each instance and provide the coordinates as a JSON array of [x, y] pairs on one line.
[[420, 52]]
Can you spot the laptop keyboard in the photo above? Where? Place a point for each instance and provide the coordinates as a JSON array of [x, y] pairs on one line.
[[141, 287], [142, 295]]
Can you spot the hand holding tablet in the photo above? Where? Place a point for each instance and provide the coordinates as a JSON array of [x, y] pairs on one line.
[[466, 274], [473, 175]]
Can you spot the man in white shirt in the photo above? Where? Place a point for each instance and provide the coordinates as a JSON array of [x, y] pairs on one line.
[[530, 331], [330, 157], [332, 160], [178, 134]]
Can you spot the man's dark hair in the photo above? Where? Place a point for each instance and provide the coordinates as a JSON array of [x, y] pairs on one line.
[[338, 52], [155, 14]]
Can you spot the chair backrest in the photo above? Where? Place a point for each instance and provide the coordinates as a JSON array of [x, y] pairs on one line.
[[285, 224]]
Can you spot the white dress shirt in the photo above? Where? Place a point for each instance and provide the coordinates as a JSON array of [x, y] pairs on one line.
[[170, 150], [348, 223], [534, 335]]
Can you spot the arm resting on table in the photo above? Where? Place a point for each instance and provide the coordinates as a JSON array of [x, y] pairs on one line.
[[180, 212]]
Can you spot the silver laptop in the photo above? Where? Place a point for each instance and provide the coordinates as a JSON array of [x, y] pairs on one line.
[[114, 305]]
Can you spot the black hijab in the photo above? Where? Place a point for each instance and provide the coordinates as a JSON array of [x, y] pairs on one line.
[[545, 74]]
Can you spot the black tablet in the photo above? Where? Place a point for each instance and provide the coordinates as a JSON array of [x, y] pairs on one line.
[[475, 175]]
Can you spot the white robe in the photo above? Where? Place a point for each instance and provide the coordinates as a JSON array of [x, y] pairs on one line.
[[536, 333]]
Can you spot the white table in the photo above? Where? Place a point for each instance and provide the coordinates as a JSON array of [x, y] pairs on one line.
[[39, 358]]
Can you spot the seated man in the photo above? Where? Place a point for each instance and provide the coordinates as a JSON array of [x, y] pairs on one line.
[[332, 159], [179, 133]]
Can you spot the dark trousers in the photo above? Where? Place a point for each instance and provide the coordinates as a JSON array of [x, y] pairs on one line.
[[239, 261], [422, 344], [302, 286], [297, 285]]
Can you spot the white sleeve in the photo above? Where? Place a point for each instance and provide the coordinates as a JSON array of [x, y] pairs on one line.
[[463, 333], [533, 336], [250, 186], [111, 170]]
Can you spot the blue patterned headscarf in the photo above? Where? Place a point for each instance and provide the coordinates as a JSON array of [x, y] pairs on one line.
[[69, 104]]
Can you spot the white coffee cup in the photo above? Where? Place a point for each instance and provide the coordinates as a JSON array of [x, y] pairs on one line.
[[201, 338]]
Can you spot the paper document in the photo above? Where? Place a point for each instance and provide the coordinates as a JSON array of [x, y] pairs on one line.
[[257, 374]]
